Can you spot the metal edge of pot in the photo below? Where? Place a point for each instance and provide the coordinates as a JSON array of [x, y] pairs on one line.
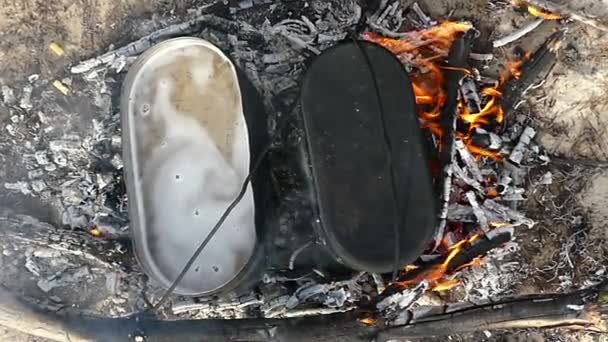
[[131, 167]]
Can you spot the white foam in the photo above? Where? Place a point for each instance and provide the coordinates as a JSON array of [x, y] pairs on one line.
[[187, 180]]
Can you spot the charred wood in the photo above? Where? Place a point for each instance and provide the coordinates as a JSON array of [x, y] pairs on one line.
[[539, 65], [457, 60], [584, 309], [465, 256]]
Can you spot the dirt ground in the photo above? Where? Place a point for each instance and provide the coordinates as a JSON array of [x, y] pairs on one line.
[[82, 27], [570, 110]]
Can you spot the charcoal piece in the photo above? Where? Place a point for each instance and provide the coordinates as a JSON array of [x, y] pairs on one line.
[[349, 157]]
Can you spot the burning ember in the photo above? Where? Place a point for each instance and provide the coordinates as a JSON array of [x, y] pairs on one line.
[[436, 275]]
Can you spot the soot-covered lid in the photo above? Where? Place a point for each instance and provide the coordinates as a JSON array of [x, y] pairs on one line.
[[350, 159]]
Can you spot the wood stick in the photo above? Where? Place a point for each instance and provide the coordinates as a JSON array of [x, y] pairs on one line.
[[457, 59], [590, 12], [579, 310], [540, 64], [183, 29]]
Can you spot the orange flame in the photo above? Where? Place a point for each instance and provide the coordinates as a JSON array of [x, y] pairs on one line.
[[445, 285], [436, 273], [535, 11], [95, 232], [475, 262], [425, 50], [492, 192], [369, 321], [422, 49], [410, 268]]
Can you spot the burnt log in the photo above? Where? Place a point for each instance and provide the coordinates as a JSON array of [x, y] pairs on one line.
[[465, 256], [590, 12], [538, 66], [583, 310]]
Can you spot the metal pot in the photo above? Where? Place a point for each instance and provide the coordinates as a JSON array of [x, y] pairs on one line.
[[191, 126]]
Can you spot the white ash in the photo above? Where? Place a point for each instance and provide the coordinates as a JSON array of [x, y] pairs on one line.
[[478, 212], [388, 18], [496, 277], [505, 179], [546, 179], [26, 102], [38, 186], [31, 266], [461, 174], [424, 18], [275, 306], [513, 194], [444, 213], [213, 308], [22, 187], [396, 308], [330, 295], [526, 137], [500, 213], [65, 278], [11, 129], [468, 91], [8, 95], [46, 253], [469, 160], [496, 141], [276, 301], [117, 162], [33, 78]]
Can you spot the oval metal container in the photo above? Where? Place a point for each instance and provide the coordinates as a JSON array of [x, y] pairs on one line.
[[350, 161], [187, 150]]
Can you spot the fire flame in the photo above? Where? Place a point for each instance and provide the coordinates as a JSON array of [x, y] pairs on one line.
[[96, 232], [369, 321], [410, 268], [535, 11], [424, 51], [445, 285], [435, 274]]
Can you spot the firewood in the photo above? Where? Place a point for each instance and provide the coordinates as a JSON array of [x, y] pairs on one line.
[[581, 310]]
